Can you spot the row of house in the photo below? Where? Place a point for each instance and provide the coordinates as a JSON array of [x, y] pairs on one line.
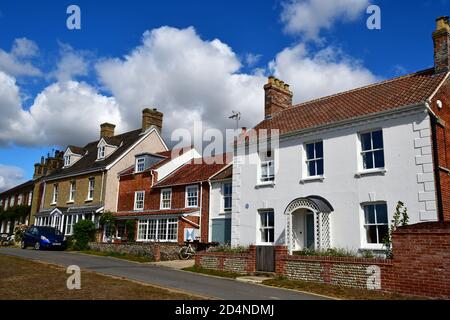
[[332, 179]]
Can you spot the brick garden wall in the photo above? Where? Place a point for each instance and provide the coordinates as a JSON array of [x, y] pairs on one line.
[[154, 251], [421, 264], [232, 262]]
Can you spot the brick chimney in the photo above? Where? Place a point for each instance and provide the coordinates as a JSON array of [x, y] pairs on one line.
[[152, 117], [107, 130], [441, 39], [278, 97]]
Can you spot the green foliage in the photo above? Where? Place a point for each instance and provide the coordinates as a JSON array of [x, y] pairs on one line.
[[367, 254], [400, 218], [83, 233], [131, 230], [107, 219], [332, 252], [228, 249], [15, 213]]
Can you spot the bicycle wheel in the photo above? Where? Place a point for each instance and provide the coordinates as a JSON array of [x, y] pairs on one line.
[[184, 253]]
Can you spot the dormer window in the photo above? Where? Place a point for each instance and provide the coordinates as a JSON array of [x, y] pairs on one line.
[[140, 164], [101, 152]]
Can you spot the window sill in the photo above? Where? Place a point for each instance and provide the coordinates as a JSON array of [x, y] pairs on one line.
[[70, 202], [372, 172], [312, 179], [165, 208], [224, 213], [88, 200], [269, 184], [367, 246], [53, 204]]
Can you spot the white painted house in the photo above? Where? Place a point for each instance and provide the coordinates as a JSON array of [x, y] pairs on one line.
[[343, 162]]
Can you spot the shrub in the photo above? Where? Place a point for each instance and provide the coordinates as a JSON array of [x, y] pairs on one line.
[[228, 249], [19, 231], [107, 220], [131, 230], [332, 252], [83, 232]]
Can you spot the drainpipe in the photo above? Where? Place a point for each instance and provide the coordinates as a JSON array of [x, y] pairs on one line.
[[201, 209], [433, 120]]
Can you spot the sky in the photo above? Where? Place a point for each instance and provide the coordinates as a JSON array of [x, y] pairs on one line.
[[193, 60]]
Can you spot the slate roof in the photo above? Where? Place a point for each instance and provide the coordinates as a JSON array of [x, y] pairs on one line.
[[392, 94], [77, 150], [89, 161]]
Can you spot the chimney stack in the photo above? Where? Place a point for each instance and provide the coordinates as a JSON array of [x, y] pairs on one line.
[[107, 130], [278, 97], [441, 39], [152, 118]]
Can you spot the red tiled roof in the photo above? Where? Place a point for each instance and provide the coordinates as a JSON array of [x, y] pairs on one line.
[[155, 212], [387, 95], [194, 172]]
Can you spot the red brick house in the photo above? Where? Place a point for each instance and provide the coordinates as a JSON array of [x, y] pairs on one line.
[[167, 194]]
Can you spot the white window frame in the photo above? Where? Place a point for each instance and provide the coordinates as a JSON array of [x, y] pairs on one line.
[[263, 228], [162, 205], [55, 193], [11, 201], [140, 164], [269, 163], [372, 150], [101, 153], [224, 196], [91, 189], [136, 195], [365, 243], [188, 197], [315, 159], [30, 198], [72, 191], [20, 199], [154, 226], [67, 160]]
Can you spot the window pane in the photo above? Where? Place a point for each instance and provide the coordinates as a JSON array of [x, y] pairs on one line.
[[319, 149], [162, 225], [368, 160], [382, 216], [371, 234], [319, 167], [312, 168], [379, 159], [382, 233], [377, 137], [369, 211], [271, 235], [365, 142], [310, 151], [270, 219]]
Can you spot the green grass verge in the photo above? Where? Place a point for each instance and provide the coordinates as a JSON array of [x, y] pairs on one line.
[[338, 292], [211, 272], [123, 256]]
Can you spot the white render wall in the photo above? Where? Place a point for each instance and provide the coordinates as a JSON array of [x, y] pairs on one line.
[[216, 210], [408, 178]]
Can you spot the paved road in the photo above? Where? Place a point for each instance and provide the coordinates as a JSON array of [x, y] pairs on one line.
[[227, 289]]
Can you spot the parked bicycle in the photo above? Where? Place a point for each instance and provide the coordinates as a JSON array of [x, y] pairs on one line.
[[187, 251]]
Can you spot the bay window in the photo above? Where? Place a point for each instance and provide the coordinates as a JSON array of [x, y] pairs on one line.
[[165, 229]]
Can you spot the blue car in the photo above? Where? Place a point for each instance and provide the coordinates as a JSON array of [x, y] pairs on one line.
[[43, 238]]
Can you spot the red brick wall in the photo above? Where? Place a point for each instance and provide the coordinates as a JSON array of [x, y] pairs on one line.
[[441, 138], [422, 260], [232, 262], [129, 184]]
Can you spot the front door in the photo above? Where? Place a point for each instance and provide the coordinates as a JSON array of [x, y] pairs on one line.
[[309, 231]]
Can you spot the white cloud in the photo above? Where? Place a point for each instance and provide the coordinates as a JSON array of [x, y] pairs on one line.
[[10, 177], [309, 17], [316, 75], [252, 59], [16, 62], [63, 113], [72, 63], [186, 78]]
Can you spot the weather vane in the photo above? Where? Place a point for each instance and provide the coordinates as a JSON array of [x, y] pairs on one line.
[[236, 116]]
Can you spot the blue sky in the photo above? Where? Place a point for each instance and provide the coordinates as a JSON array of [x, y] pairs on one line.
[[198, 60]]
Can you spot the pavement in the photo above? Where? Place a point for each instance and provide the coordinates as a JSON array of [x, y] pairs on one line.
[[159, 275], [174, 264]]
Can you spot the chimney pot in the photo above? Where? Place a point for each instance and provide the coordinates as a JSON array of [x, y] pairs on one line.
[[107, 130]]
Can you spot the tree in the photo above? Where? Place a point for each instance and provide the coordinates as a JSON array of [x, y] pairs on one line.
[[400, 218], [130, 226], [83, 233]]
